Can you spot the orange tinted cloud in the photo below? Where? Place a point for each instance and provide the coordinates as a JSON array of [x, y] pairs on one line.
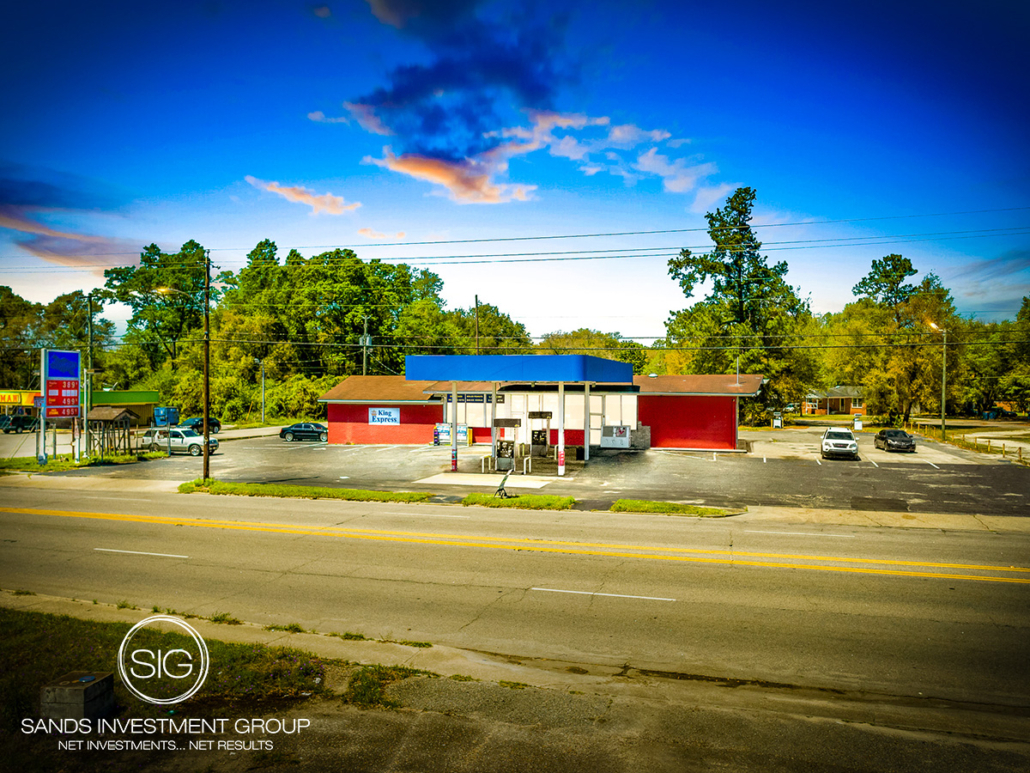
[[327, 202], [468, 182], [66, 248], [368, 232]]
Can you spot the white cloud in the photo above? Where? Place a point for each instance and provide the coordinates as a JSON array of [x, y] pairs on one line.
[[677, 176]]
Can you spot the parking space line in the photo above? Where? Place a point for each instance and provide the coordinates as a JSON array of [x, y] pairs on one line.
[[818, 462], [611, 595], [138, 553], [873, 463], [931, 464]]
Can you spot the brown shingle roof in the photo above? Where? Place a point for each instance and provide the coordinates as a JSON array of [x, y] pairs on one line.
[[379, 389], [720, 384], [110, 413], [365, 389]]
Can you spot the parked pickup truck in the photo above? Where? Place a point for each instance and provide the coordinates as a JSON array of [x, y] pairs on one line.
[[183, 441]]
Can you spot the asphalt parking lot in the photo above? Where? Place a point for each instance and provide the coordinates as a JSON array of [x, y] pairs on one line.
[[784, 468]]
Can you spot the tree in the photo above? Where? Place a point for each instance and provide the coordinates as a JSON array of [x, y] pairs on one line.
[[885, 283], [19, 323], [611, 346], [751, 316], [166, 295], [741, 278], [893, 352], [498, 332]]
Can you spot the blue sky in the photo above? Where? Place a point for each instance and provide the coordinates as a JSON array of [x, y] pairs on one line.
[[377, 123]]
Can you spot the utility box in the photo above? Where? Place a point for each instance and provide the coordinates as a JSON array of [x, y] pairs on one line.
[[164, 416], [78, 695], [858, 421], [777, 420], [615, 436]]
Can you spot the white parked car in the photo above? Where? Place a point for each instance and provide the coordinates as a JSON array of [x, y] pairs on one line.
[[839, 441], [183, 441]]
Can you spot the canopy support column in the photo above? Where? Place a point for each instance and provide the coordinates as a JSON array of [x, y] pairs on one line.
[[586, 421], [493, 429], [454, 426], [561, 428]]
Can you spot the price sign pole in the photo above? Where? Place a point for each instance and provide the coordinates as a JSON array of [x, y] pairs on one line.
[[60, 378]]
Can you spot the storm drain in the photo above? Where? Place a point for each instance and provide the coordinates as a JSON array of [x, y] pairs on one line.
[[881, 505]]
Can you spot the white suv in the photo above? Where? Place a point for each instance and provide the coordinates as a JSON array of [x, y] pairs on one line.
[[183, 441], [839, 441]]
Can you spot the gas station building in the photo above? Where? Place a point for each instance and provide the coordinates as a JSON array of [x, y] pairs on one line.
[[544, 393]]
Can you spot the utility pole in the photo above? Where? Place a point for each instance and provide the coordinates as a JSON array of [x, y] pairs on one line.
[[364, 349], [262, 391], [207, 364], [477, 324], [944, 386]]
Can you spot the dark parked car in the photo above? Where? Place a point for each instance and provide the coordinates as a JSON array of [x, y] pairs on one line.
[[304, 431], [21, 424], [197, 424], [894, 440]]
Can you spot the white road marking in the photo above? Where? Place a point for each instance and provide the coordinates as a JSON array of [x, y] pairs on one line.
[[715, 457], [818, 462], [803, 534], [612, 595], [873, 463], [344, 477], [764, 460], [138, 553], [931, 464], [388, 448]]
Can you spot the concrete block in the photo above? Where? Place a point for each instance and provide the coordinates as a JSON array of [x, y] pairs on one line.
[[78, 695]]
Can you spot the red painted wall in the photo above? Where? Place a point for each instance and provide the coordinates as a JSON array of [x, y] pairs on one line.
[[348, 423], [573, 437], [689, 422]]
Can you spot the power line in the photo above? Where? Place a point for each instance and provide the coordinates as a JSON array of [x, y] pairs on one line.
[[619, 233], [579, 255]]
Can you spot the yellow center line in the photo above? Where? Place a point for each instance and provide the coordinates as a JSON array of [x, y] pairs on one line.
[[542, 546]]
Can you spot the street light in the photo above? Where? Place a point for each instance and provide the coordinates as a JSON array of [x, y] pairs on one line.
[[944, 378]]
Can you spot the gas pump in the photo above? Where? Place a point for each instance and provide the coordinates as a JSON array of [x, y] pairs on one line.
[[858, 421], [507, 450], [777, 420], [539, 439]]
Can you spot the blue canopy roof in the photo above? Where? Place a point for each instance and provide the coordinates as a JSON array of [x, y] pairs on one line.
[[516, 367]]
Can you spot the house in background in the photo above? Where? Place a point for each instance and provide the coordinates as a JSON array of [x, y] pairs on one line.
[[838, 400]]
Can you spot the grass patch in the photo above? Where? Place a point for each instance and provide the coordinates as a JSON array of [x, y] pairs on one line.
[[225, 618], [288, 628], [299, 492], [351, 636], [406, 643], [667, 508], [369, 682], [21, 592], [527, 502], [513, 685], [63, 462], [125, 604], [462, 678]]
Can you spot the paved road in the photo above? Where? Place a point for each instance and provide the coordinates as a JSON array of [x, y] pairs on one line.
[[913, 614]]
